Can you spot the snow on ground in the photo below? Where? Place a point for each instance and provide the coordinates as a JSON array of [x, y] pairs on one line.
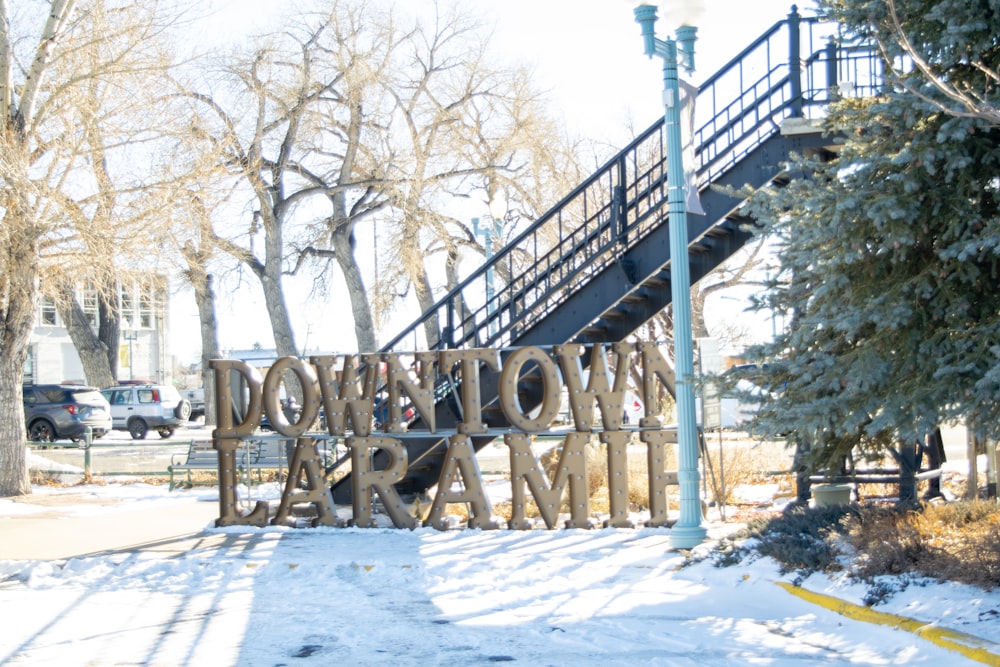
[[38, 462], [280, 596]]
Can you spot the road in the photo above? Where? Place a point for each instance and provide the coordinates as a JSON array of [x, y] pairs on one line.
[[118, 453]]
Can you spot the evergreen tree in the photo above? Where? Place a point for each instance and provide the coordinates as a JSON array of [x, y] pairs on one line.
[[891, 251]]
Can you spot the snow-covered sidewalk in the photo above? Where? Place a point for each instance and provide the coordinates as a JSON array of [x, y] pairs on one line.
[[383, 596]]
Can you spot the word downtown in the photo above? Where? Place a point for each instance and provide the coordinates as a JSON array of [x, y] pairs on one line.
[[345, 386]]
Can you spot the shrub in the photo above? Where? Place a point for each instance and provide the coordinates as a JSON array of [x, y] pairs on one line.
[[887, 541], [802, 538], [949, 542]]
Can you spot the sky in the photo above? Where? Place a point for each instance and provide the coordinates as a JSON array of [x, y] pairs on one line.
[[322, 596], [587, 55]]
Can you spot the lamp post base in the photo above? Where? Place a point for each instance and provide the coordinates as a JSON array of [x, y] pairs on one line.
[[687, 537]]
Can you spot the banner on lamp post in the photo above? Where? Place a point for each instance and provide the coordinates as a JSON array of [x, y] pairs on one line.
[[688, 95]]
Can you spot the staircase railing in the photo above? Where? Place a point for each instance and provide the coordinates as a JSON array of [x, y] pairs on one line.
[[737, 109]]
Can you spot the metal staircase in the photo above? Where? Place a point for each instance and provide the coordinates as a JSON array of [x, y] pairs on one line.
[[596, 266]]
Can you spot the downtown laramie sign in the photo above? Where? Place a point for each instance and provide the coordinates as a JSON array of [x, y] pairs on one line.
[[345, 387]]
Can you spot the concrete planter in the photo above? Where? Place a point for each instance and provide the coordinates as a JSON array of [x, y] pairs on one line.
[[831, 495]]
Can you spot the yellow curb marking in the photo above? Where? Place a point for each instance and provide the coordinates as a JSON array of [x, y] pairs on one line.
[[972, 647]]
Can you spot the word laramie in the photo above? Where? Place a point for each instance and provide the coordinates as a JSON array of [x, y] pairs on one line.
[[345, 387]]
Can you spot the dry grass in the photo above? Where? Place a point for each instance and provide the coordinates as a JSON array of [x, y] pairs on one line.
[[954, 541], [957, 541], [40, 478], [736, 462], [55, 479], [599, 488]]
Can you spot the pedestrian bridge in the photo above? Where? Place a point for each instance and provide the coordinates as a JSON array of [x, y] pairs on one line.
[[597, 265]]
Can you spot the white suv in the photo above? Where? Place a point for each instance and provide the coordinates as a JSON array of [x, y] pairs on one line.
[[139, 408]]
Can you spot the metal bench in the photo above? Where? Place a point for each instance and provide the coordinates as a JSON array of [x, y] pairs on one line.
[[253, 455], [275, 453], [263, 455], [199, 456]]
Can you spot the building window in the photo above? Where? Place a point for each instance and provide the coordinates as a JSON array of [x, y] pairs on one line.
[[146, 305], [89, 299], [47, 314], [128, 304], [29, 364]]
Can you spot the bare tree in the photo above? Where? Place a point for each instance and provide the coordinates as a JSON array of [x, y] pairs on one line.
[[194, 191], [471, 128], [727, 276], [351, 115], [958, 96], [62, 64], [289, 128], [198, 253], [99, 360], [117, 134]]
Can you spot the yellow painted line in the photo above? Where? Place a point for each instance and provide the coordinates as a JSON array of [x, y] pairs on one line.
[[972, 647]]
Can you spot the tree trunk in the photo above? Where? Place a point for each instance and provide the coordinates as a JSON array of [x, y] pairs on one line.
[[14, 479], [277, 311], [205, 297], [281, 326], [270, 281], [434, 331], [93, 352], [413, 264], [699, 328], [460, 307], [20, 266], [364, 326], [109, 325]]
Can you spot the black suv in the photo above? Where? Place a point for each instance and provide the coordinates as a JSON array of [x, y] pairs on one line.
[[64, 411]]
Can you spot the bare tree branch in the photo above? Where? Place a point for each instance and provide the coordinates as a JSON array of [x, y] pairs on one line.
[[972, 103]]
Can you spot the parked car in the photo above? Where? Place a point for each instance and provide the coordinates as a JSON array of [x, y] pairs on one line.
[[141, 408], [196, 397], [291, 410], [61, 411]]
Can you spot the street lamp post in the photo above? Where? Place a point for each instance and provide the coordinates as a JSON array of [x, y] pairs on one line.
[[131, 335], [689, 531]]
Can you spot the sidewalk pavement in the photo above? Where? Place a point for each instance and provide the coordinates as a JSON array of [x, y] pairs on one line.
[[65, 526]]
